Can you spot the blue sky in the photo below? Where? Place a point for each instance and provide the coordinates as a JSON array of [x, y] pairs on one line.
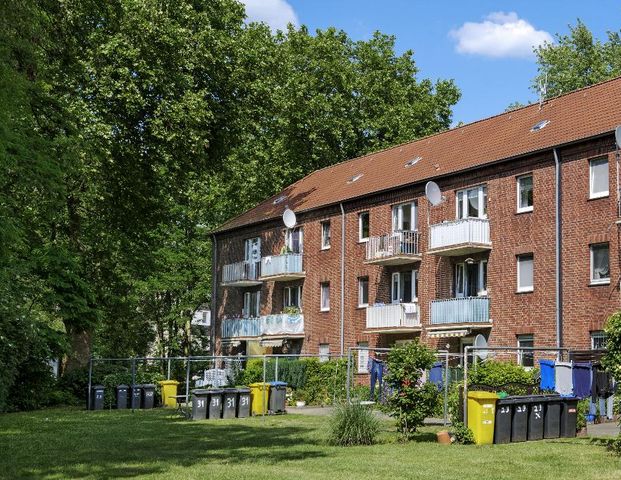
[[484, 46]]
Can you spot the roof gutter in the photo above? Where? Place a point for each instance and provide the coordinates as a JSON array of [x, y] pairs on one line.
[[342, 309], [558, 248]]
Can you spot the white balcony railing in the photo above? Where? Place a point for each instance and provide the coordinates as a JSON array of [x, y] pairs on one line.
[[281, 324], [241, 272], [467, 231], [393, 316], [393, 244], [460, 310], [289, 263]]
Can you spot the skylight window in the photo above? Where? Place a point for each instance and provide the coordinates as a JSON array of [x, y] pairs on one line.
[[413, 162], [539, 126], [280, 199], [355, 178]]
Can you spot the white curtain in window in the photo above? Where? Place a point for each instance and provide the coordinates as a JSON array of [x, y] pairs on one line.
[[601, 267]]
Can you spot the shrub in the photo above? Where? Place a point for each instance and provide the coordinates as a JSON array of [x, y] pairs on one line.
[[461, 434], [353, 424], [583, 410], [615, 445], [612, 357], [496, 374]]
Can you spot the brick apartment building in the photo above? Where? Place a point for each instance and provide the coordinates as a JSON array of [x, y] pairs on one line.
[[523, 247]]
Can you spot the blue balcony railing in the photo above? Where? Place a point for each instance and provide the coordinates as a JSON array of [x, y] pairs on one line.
[[460, 310]]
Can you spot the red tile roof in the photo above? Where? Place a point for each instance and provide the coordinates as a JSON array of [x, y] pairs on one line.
[[578, 115]]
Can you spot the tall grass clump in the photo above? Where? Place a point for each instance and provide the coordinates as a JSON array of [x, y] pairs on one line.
[[353, 424]]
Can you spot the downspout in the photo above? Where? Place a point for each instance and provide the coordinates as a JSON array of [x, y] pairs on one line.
[[558, 235], [342, 309], [214, 287]]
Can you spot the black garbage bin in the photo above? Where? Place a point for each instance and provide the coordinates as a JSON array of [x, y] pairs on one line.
[[229, 403], [502, 422], [148, 396], [97, 397], [215, 403], [200, 398], [519, 420], [536, 415], [278, 397], [136, 396], [569, 417], [122, 394], [243, 402]]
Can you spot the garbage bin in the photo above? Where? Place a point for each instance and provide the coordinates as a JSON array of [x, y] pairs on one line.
[[569, 417], [259, 395], [502, 423], [97, 397], [481, 410], [552, 417], [278, 397], [136, 396], [536, 414], [200, 398], [519, 420], [148, 396], [169, 391], [215, 403], [122, 393], [229, 403], [243, 402]]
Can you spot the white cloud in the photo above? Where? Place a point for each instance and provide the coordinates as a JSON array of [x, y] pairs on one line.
[[499, 35], [276, 13]]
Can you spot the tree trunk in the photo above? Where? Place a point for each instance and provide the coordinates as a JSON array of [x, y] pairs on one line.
[[80, 350]]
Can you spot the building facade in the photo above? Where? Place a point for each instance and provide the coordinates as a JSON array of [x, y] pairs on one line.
[[521, 246]]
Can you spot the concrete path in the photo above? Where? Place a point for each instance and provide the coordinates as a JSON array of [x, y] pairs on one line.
[[608, 429]]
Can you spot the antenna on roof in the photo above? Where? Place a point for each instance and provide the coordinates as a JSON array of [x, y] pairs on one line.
[[543, 89]]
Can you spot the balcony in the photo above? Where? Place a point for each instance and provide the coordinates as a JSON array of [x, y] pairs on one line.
[[460, 237], [469, 310], [281, 325], [400, 317], [282, 268], [398, 248], [241, 274]]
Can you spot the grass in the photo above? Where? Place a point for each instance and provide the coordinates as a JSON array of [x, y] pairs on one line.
[[62, 443]]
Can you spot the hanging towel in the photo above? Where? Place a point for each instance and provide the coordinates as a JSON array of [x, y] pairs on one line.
[[435, 375], [581, 375], [409, 308], [547, 374], [563, 379]]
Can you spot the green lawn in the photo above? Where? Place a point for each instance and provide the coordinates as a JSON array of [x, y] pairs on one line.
[[55, 444]]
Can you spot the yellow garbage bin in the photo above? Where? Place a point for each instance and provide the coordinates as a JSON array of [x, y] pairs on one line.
[[259, 397], [481, 413], [169, 391]]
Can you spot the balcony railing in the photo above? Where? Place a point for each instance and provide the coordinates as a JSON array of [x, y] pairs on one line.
[[461, 236], [393, 248], [268, 325], [460, 310], [287, 266], [400, 315], [242, 273]]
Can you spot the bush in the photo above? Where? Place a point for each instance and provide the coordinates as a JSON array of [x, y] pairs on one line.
[[612, 358], [583, 410], [615, 446], [496, 374], [461, 434], [353, 424]]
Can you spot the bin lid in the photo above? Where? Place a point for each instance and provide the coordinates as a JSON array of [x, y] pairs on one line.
[[229, 390], [200, 391], [278, 384], [215, 391], [148, 385], [482, 395], [243, 390], [168, 382], [259, 385], [98, 387], [118, 387]]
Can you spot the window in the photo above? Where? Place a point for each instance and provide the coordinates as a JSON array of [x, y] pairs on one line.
[[472, 203], [526, 358], [598, 178], [294, 240], [404, 217], [404, 287], [525, 194], [363, 358], [525, 273], [252, 304], [363, 291], [325, 235], [324, 352], [252, 255], [598, 340], [292, 297], [600, 263], [325, 296], [471, 279], [363, 226]]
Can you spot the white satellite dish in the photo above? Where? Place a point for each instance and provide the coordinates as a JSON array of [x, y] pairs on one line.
[[618, 136], [433, 193], [480, 342], [288, 218]]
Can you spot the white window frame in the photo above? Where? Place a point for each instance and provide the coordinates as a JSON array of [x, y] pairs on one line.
[[517, 264], [603, 193], [362, 280], [528, 208], [599, 281], [363, 357], [325, 226], [324, 352], [360, 216], [324, 296], [397, 217], [482, 199], [522, 353], [398, 276], [598, 335], [286, 299], [246, 309]]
